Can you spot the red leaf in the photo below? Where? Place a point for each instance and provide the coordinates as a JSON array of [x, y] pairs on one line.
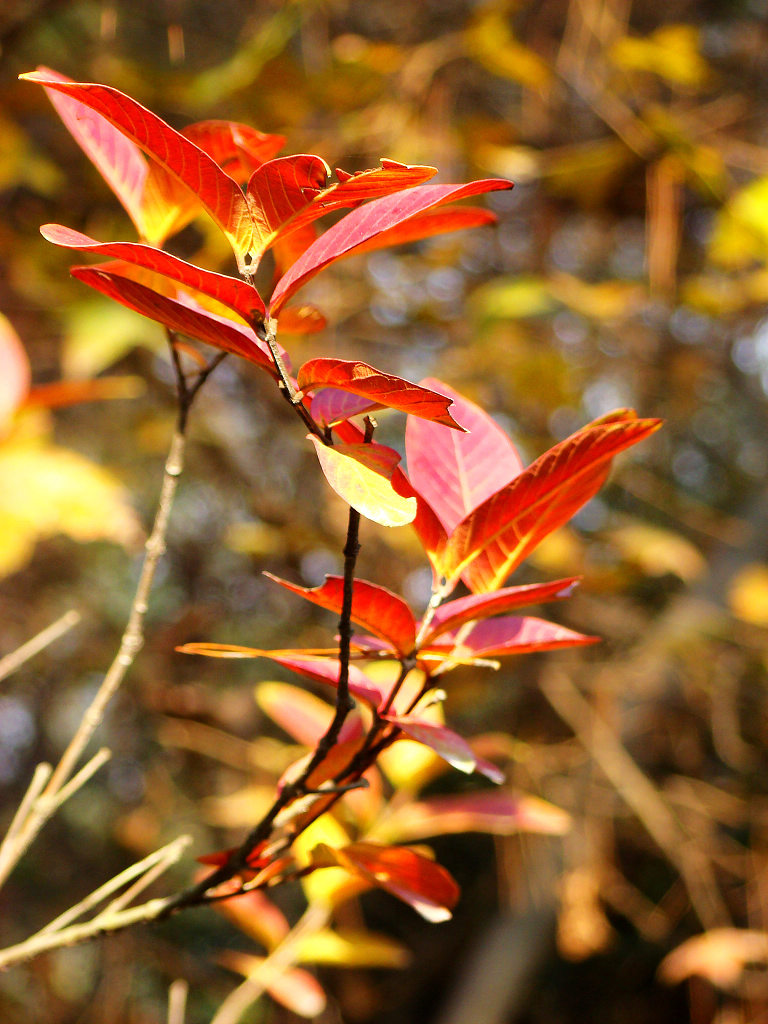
[[419, 882], [216, 191], [427, 225], [237, 148], [373, 607], [315, 666], [230, 291], [302, 715], [509, 634], [364, 224], [361, 475], [384, 389], [289, 196], [178, 316], [510, 524], [448, 744], [330, 406], [454, 472], [482, 606]]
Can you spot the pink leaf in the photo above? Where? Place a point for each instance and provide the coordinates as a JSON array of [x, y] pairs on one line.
[[482, 606], [449, 745], [456, 472], [508, 634]]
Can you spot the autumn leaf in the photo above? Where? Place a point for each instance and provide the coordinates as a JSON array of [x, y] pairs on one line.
[[509, 524], [361, 475], [374, 608], [365, 223], [508, 634], [14, 372], [382, 389], [454, 472], [448, 744], [413, 878]]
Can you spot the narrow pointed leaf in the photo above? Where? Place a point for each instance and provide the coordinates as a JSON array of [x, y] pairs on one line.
[[457, 472], [230, 291], [324, 669], [182, 317], [373, 607], [540, 499], [427, 225], [361, 475], [413, 878], [508, 634], [449, 745], [217, 192], [384, 389], [498, 813], [366, 222], [482, 606]]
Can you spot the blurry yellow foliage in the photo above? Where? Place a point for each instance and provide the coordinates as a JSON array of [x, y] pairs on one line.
[[748, 594], [491, 41], [45, 490], [98, 334], [740, 233], [350, 948], [671, 52], [656, 551]]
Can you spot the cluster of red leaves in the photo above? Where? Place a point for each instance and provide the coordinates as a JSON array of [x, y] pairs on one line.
[[476, 509]]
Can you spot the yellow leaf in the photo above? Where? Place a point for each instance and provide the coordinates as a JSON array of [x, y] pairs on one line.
[[740, 233], [657, 551], [350, 948], [671, 52], [45, 490], [604, 300], [490, 40], [366, 485], [509, 298], [329, 885], [748, 594]]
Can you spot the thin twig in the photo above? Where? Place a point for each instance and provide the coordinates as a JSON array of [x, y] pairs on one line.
[[177, 1001], [11, 662]]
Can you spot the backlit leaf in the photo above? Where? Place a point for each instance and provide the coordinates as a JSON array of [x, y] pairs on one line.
[[498, 813], [365, 223], [508, 634], [217, 192], [45, 490], [111, 280], [294, 988], [383, 389], [481, 606], [509, 524], [456, 472], [352, 948], [449, 745], [419, 882], [373, 607], [230, 291], [361, 475], [14, 372]]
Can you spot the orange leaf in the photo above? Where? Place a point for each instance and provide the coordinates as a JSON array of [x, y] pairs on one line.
[[510, 524], [383, 389]]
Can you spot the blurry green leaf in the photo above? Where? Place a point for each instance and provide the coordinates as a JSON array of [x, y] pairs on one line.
[[98, 334], [509, 298]]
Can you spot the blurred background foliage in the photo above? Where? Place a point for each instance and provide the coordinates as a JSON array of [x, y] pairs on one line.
[[629, 267]]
